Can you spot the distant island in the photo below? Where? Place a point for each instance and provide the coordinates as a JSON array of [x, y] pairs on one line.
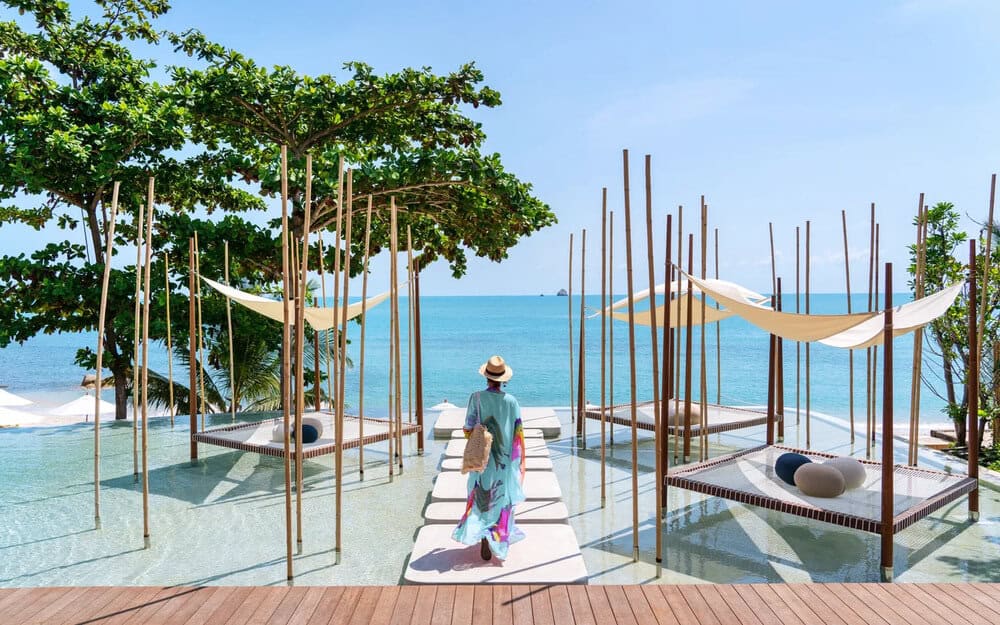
[[562, 293]]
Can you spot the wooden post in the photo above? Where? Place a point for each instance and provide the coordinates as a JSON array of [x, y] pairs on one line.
[[300, 348], [676, 356], [581, 391], [604, 337], [774, 269], [779, 371], [887, 438], [335, 398], [135, 343], [572, 408], [689, 348], [317, 378], [631, 351], [286, 348], [364, 320], [418, 358], [651, 272], [229, 329], [703, 370], [875, 349], [145, 365], [798, 344], [342, 316], [770, 385], [102, 317], [611, 320], [973, 381], [869, 377], [395, 329], [201, 325], [667, 366], [192, 360], [718, 333], [170, 343], [808, 379], [986, 282], [850, 352], [409, 329], [918, 339]]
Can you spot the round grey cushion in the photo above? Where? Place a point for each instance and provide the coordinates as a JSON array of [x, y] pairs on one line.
[[851, 468], [819, 480]]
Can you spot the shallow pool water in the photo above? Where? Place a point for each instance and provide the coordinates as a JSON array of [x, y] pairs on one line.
[[221, 520]]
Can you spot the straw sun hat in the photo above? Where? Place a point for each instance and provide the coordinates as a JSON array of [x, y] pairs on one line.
[[496, 369]]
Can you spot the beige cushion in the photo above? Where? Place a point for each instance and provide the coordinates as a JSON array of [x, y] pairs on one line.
[[316, 422], [278, 431], [819, 480], [853, 471]]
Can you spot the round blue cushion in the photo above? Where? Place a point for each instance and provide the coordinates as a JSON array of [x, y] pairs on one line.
[[309, 434], [787, 464]]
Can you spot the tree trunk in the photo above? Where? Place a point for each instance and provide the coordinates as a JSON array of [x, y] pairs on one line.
[[121, 392], [949, 377]]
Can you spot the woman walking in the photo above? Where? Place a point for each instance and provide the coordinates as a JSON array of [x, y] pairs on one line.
[[493, 493]]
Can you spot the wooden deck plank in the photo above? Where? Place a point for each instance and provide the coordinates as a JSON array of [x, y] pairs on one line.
[[482, 605], [872, 592], [757, 605], [737, 605], [826, 614], [541, 606], [991, 599], [622, 611], [461, 612], [88, 604], [702, 611], [32, 603], [365, 606], [183, 611], [502, 612], [820, 593], [659, 606], [345, 607], [117, 608], [641, 609], [583, 612], [384, 606], [943, 607], [327, 605], [520, 597], [402, 612], [860, 608], [444, 605], [49, 609], [205, 610], [798, 606], [782, 610], [293, 597], [678, 605], [307, 606], [718, 604], [11, 596], [562, 610], [423, 610], [226, 608], [600, 605], [970, 599], [155, 606]]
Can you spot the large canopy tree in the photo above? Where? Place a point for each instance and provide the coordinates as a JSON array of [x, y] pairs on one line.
[[406, 135], [80, 113]]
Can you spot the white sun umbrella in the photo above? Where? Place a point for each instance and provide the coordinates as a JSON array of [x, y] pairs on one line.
[[82, 407], [445, 405], [9, 417], [10, 399]]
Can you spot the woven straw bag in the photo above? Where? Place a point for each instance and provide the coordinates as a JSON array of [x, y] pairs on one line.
[[477, 448]]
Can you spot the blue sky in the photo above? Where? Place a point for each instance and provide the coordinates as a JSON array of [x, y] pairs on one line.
[[774, 110]]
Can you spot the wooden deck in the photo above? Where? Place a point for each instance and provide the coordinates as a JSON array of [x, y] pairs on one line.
[[740, 604]]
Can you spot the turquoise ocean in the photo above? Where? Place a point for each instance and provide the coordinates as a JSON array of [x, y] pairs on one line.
[[532, 334]]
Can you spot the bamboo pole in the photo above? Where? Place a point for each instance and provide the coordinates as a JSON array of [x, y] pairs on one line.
[[135, 343], [170, 343], [718, 333], [330, 398], [677, 340], [409, 329], [102, 317], [631, 351], [611, 321], [667, 368], [651, 272], [418, 359], [317, 376], [395, 326], [286, 348], [364, 319], [808, 381], [334, 398], [689, 348], [869, 382], [581, 399], [201, 325], [986, 282], [229, 329], [604, 337], [342, 316], [779, 370], [145, 365], [192, 361], [798, 344], [300, 352], [703, 386], [917, 340], [973, 384], [569, 302], [887, 438], [774, 269], [850, 352], [875, 349]]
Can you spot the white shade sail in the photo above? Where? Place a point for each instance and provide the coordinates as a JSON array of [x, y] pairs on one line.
[[82, 407], [10, 399], [905, 319], [712, 314], [318, 318], [677, 290]]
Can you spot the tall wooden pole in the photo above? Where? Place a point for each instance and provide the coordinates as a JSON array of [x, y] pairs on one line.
[[689, 348], [135, 342], [808, 379], [109, 245], [317, 376], [875, 349], [364, 320], [335, 399], [887, 438], [300, 349], [418, 358], [651, 273], [409, 329], [869, 372], [569, 303], [286, 348], [631, 352], [703, 384], [677, 340], [986, 283], [145, 365], [395, 354], [774, 268], [850, 352], [170, 342], [918, 339], [342, 316], [192, 360], [662, 439], [611, 320], [718, 333], [779, 370], [201, 325], [229, 330], [330, 398], [581, 391], [604, 338], [798, 344], [973, 382]]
